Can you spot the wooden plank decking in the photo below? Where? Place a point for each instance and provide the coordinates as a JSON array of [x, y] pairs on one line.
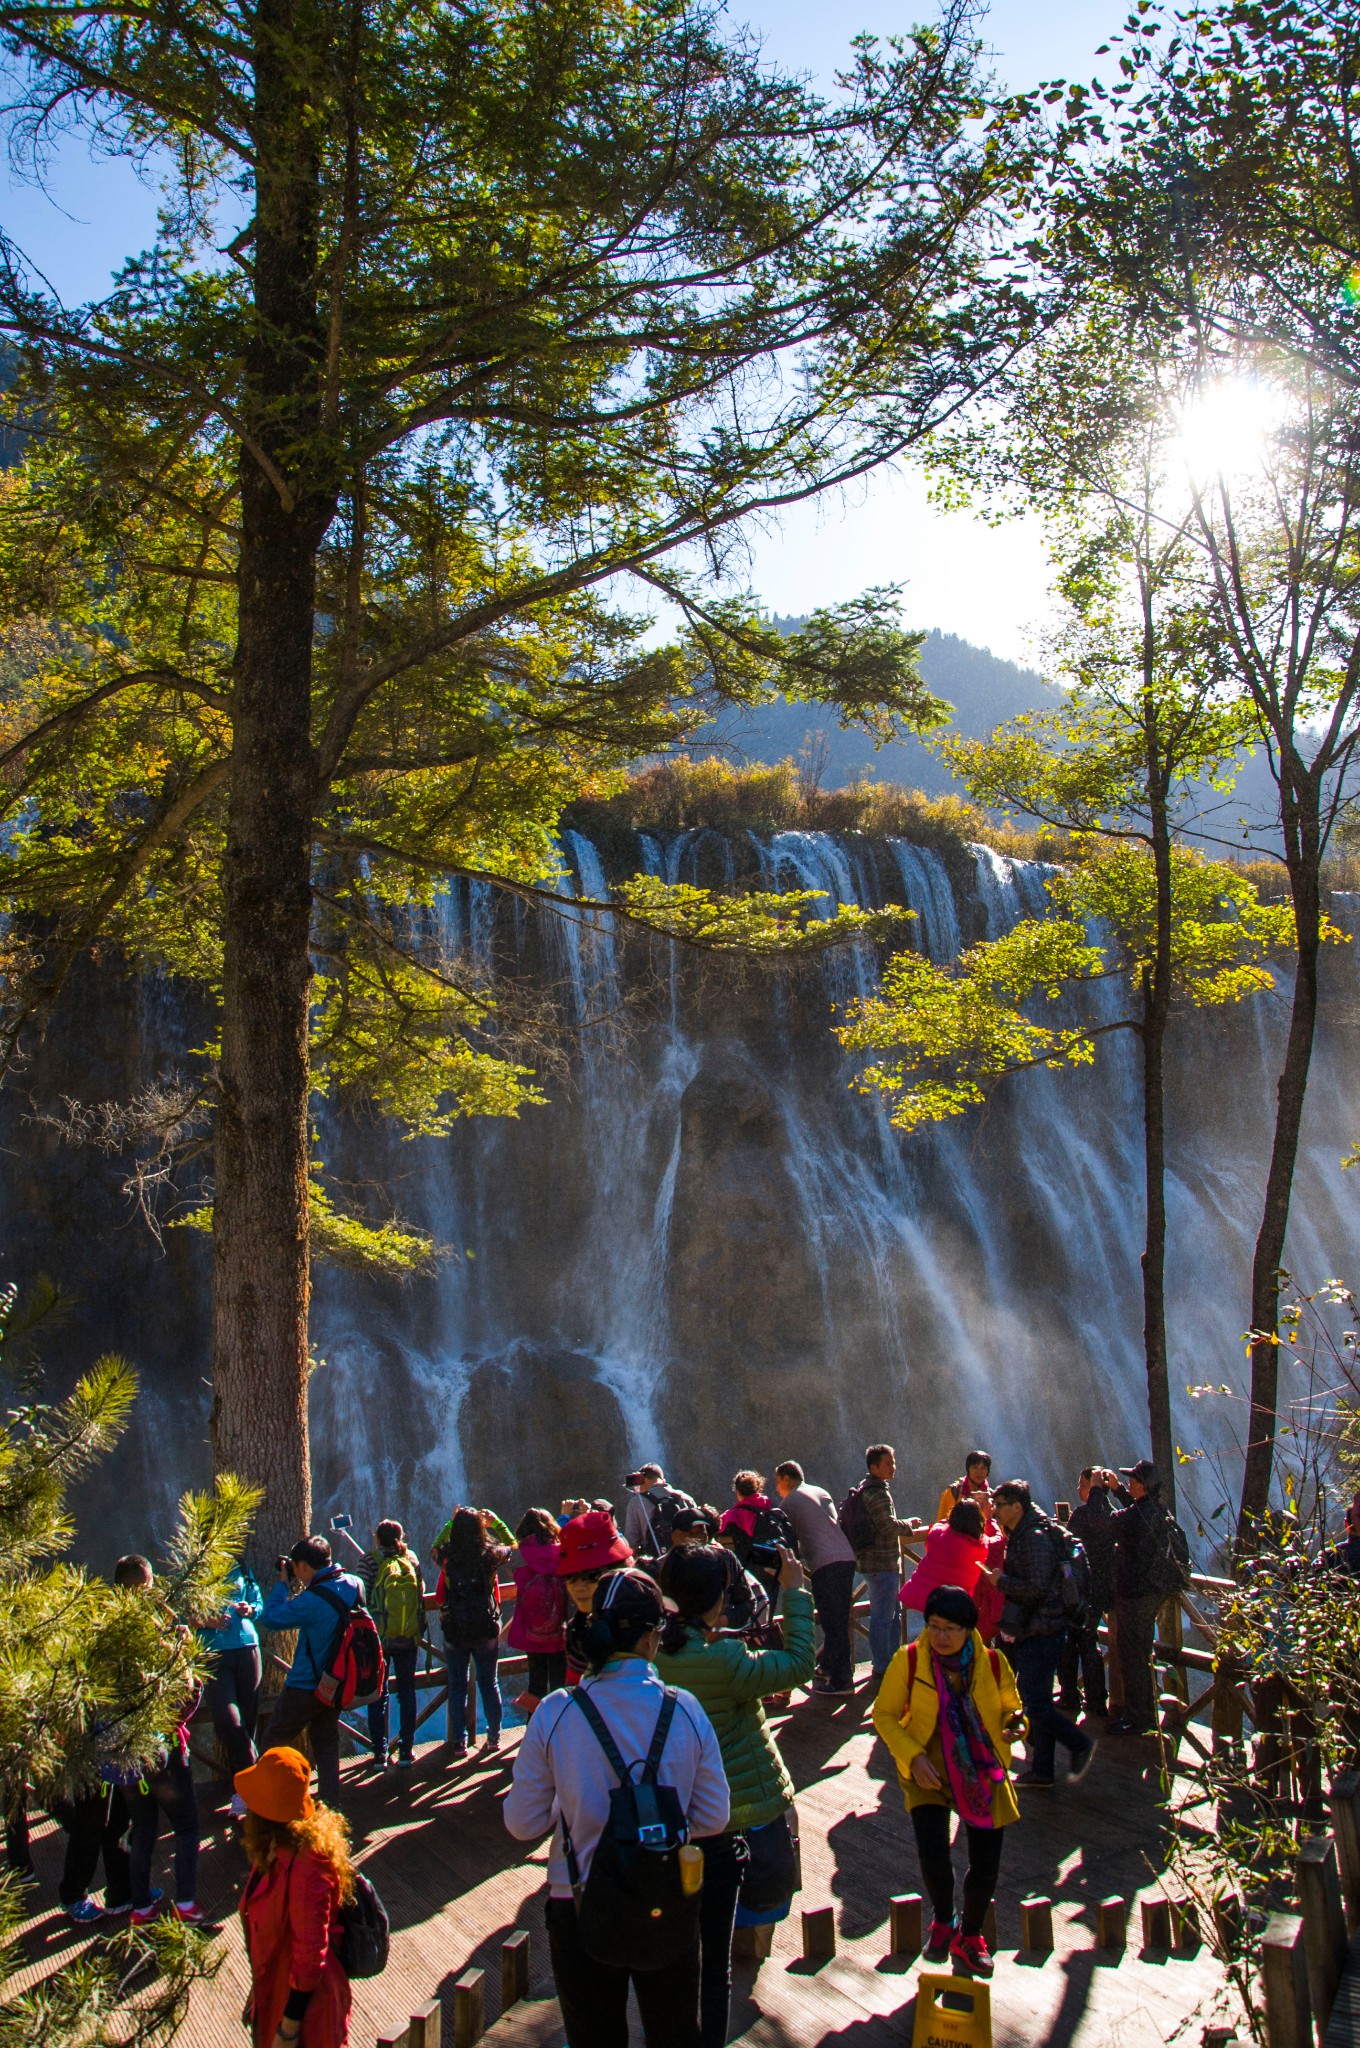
[[457, 1886]]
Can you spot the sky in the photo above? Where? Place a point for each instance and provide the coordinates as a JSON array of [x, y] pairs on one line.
[[988, 584]]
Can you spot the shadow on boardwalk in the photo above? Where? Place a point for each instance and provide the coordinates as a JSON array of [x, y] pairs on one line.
[[456, 1885]]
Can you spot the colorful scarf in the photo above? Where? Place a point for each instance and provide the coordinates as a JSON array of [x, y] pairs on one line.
[[970, 1763]]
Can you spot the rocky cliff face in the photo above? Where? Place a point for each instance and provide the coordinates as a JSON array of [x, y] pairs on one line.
[[708, 1250]]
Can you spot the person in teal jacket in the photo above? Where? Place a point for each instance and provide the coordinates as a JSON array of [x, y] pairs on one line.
[[730, 1680], [233, 1691]]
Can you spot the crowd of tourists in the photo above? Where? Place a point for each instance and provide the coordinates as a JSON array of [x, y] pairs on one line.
[[651, 1642]]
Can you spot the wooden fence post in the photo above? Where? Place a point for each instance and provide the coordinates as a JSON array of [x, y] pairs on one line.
[[1112, 1923], [819, 1934], [514, 1969], [1324, 1924], [1036, 1926], [1185, 1934], [427, 2026], [904, 1925], [1284, 1979], [469, 2009], [1156, 1914], [753, 1944], [1344, 1801], [401, 2039]]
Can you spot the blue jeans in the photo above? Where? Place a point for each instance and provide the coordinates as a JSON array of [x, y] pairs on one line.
[[885, 1618], [484, 1656], [401, 1679], [1036, 1670]]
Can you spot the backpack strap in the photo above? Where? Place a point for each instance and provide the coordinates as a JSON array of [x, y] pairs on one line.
[[600, 1730], [347, 1608], [663, 1729]]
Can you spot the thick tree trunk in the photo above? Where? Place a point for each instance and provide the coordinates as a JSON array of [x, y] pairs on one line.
[[1303, 855], [260, 1268]]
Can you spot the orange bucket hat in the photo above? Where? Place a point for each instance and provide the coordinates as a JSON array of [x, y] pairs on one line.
[[278, 1787]]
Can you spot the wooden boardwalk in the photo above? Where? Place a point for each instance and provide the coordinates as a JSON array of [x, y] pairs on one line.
[[456, 1886]]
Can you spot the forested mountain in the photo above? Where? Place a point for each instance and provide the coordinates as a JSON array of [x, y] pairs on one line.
[[983, 689]]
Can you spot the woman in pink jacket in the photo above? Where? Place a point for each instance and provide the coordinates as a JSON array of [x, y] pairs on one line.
[[538, 1624], [957, 1553]]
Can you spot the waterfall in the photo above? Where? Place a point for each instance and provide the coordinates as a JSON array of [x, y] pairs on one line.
[[709, 1250]]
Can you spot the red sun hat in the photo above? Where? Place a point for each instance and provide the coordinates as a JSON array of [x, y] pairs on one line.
[[591, 1543]]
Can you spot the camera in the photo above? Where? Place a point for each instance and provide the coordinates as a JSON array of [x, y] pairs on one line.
[[284, 1565], [765, 1557]]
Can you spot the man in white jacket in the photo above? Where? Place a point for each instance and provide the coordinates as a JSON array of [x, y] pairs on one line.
[[562, 1774]]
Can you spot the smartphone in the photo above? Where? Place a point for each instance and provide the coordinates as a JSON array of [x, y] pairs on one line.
[[342, 1521]]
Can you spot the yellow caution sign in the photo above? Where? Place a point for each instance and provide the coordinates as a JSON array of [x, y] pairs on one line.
[[952, 2012]]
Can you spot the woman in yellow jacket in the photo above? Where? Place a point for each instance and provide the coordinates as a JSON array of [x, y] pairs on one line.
[[948, 1709]]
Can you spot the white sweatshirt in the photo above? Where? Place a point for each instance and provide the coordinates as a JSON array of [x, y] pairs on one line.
[[562, 1772]]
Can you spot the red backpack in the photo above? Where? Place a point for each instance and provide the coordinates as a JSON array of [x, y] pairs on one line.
[[541, 1607], [354, 1673]]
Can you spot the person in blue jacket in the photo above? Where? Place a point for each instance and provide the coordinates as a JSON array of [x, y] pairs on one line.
[[293, 1604], [233, 1691]]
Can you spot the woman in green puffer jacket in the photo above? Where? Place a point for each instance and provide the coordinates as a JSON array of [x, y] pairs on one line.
[[729, 1681]]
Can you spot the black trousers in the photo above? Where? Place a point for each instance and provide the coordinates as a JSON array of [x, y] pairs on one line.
[[1081, 1658], [547, 1672], [169, 1796], [594, 1996], [932, 1825], [297, 1712], [95, 1826], [1136, 1626], [233, 1697], [833, 1588], [725, 1860]]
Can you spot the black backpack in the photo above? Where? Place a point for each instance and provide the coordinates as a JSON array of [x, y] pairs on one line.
[[853, 1517], [663, 1505], [1073, 1575], [632, 1911], [1170, 1548], [471, 1611], [364, 1937]]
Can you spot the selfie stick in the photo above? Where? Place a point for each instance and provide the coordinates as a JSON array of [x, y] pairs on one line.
[[340, 1527]]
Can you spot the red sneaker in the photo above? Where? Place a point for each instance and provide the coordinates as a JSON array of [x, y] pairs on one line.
[[939, 1940], [971, 1956]]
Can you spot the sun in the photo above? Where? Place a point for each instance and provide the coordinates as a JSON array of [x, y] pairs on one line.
[[1225, 428]]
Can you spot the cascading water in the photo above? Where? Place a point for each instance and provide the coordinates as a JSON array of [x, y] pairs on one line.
[[709, 1250]]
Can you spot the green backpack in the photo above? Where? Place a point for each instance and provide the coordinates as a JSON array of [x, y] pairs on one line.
[[397, 1605]]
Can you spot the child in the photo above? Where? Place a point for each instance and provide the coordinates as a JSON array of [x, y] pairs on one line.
[[538, 1624]]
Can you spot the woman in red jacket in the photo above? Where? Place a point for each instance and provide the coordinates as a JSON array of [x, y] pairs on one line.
[[300, 1877], [957, 1551]]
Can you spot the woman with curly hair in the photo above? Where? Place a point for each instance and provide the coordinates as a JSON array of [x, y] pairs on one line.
[[300, 1877]]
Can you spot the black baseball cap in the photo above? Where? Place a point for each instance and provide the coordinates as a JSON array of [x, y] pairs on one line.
[[1145, 1472]]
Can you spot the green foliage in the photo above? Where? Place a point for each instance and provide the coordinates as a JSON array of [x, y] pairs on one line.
[[756, 924], [554, 271], [1243, 1810], [93, 1676], [955, 1028], [130, 1991], [1221, 935], [389, 1251]]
